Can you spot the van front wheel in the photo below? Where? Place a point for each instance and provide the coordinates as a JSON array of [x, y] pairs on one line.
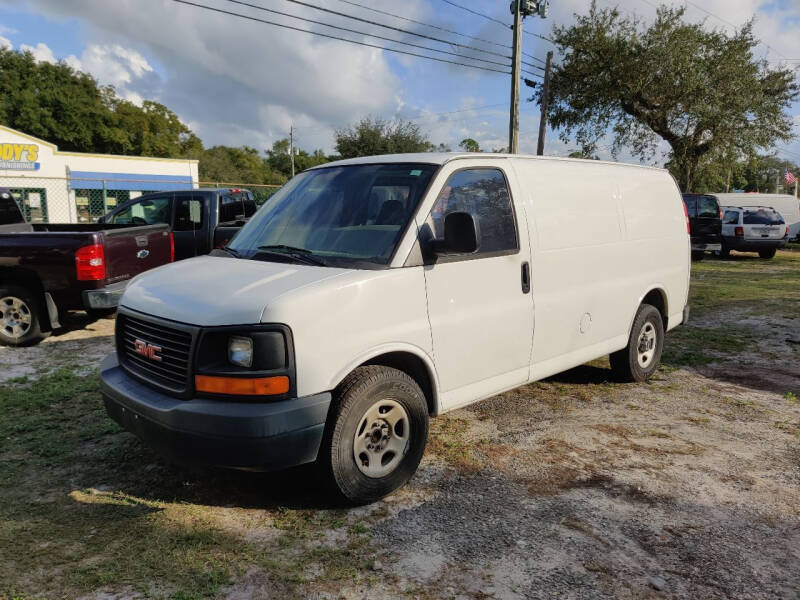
[[641, 357], [376, 433]]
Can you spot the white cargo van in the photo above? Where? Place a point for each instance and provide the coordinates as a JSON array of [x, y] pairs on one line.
[[370, 294], [787, 205]]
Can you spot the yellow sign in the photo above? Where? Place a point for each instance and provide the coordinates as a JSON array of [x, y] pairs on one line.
[[19, 157]]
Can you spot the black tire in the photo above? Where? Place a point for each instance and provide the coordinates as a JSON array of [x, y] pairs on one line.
[[697, 255], [21, 313], [767, 254], [724, 252], [625, 363], [358, 395]]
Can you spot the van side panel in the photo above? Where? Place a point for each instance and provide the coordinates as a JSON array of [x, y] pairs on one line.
[[577, 236], [657, 244], [603, 236]]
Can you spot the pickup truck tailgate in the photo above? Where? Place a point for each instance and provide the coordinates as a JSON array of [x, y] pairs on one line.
[[133, 250]]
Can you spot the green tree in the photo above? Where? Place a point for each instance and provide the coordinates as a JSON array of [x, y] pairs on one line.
[[701, 91], [68, 108], [469, 145], [372, 136]]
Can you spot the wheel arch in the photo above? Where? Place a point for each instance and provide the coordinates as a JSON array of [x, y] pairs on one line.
[[411, 360], [655, 296]]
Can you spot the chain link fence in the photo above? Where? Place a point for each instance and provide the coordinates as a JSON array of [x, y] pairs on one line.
[[76, 200]]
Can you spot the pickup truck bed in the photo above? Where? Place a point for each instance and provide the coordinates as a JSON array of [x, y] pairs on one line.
[[47, 269]]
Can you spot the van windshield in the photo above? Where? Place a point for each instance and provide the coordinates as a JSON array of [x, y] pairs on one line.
[[350, 216]]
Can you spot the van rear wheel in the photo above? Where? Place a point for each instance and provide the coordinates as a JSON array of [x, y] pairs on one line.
[[641, 357], [376, 434], [768, 253]]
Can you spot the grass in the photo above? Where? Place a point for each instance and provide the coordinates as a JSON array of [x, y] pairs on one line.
[[83, 506], [724, 292]]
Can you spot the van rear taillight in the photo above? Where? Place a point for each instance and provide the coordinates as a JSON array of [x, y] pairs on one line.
[[738, 231], [171, 247], [90, 263], [787, 233], [686, 214]]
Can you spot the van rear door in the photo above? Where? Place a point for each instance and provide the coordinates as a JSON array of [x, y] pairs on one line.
[[763, 223]]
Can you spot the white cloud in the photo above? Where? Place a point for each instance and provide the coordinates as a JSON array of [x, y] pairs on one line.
[[229, 76], [112, 64], [6, 43], [41, 52]]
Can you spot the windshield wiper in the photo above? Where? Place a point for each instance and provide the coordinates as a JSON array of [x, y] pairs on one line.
[[300, 254], [231, 251]]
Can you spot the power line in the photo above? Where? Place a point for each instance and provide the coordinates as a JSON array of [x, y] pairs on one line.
[[388, 14], [401, 30], [485, 41], [380, 37], [333, 37], [475, 12]]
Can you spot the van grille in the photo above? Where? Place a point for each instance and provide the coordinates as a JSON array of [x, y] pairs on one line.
[[173, 371]]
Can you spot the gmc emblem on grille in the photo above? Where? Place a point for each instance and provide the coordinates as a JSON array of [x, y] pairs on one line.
[[147, 350]]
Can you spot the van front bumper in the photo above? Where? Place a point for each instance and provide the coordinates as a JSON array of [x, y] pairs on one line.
[[259, 436]]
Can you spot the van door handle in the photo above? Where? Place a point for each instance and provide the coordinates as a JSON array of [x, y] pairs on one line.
[[526, 278]]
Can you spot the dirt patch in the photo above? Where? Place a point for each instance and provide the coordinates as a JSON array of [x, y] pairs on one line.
[[80, 345]]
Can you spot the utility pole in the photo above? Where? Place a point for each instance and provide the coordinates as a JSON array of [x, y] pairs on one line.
[[520, 9], [291, 146], [545, 103], [516, 72]]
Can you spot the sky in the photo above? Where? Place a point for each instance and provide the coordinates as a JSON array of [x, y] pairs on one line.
[[239, 82]]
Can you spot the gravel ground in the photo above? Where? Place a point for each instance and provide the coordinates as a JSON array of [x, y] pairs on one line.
[[686, 487]]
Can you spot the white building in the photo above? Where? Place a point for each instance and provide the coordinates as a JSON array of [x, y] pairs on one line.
[[69, 187]]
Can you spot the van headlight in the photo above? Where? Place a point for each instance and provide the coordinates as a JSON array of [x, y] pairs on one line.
[[255, 361], [240, 351]]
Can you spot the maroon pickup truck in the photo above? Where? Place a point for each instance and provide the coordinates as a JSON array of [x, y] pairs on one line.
[[48, 269]]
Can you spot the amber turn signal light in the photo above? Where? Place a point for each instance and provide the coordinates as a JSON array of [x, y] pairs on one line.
[[242, 386]]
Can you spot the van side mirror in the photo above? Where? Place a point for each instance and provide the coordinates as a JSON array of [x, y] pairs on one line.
[[462, 235]]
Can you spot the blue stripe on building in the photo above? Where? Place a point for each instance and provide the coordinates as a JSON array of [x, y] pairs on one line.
[[93, 180]]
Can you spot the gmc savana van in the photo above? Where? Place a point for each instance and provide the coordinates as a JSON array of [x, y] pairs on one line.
[[370, 294]]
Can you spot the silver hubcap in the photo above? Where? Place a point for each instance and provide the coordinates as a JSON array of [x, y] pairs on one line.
[[646, 347], [381, 438], [15, 317]]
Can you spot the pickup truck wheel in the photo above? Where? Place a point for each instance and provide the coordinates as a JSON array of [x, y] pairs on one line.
[[20, 317], [769, 253], [376, 433], [698, 255], [641, 357]]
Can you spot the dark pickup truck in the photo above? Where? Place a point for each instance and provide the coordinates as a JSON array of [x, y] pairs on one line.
[[705, 224], [201, 219], [48, 269]]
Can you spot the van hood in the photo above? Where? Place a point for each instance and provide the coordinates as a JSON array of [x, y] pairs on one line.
[[216, 290]]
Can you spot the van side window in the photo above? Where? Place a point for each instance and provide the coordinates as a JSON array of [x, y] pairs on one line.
[[188, 213], [731, 217], [484, 194]]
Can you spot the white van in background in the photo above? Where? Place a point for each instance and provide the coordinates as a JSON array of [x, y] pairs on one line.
[[369, 294], [787, 205]]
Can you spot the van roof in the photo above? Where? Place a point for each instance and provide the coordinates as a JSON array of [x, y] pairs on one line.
[[441, 158]]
